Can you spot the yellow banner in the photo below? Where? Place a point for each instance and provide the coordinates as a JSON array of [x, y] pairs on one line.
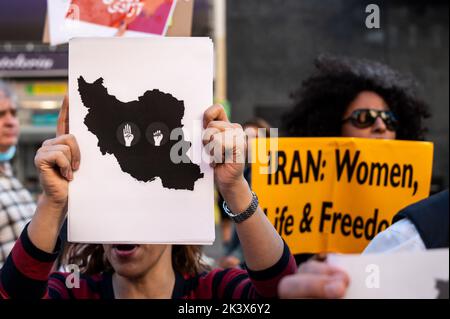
[[336, 194]]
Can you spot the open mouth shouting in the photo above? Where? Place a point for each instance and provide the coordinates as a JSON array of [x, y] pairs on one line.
[[124, 250]]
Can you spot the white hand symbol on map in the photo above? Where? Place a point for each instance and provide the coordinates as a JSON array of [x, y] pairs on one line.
[[158, 136], [127, 135]]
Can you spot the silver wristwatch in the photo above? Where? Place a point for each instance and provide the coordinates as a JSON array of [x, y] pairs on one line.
[[239, 218]]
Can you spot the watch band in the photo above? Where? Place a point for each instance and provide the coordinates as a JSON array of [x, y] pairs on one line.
[[239, 218]]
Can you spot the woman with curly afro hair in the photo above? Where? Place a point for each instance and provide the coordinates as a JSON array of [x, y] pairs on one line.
[[356, 98]]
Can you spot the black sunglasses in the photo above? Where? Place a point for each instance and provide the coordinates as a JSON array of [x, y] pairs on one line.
[[365, 118]]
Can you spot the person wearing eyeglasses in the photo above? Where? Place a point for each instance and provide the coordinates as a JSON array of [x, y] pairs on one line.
[[348, 97], [16, 204]]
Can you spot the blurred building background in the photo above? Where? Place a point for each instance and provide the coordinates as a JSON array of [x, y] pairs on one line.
[[38, 74], [271, 45]]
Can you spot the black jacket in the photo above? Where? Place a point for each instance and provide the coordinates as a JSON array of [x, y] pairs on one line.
[[430, 216]]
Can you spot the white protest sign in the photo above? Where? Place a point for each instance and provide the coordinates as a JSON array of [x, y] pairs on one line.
[[101, 18], [136, 110], [408, 275]]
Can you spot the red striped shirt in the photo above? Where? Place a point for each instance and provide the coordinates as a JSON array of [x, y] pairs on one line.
[[26, 274]]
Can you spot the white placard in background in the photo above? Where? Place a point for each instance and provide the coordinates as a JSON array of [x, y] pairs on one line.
[[108, 205], [62, 29], [409, 275]]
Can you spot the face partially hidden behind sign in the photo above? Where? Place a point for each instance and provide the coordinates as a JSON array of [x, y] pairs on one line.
[[336, 194]]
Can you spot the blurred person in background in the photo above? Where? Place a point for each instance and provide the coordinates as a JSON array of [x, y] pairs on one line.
[[16, 204]]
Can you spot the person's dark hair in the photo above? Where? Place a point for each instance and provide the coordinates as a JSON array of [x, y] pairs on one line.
[[258, 123], [323, 98], [90, 258]]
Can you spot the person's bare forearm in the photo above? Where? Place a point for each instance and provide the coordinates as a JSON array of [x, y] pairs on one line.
[[261, 244], [46, 224]]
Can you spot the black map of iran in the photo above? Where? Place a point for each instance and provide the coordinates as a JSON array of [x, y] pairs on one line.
[[137, 133]]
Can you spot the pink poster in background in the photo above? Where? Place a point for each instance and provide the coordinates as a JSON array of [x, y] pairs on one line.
[[149, 16]]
